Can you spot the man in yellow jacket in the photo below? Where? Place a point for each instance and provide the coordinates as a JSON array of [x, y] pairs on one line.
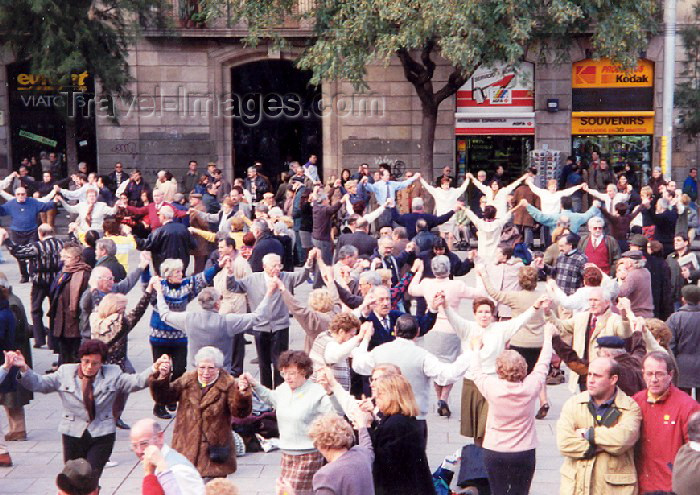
[[596, 433]]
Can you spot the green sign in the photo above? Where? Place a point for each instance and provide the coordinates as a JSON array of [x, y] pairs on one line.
[[40, 139]]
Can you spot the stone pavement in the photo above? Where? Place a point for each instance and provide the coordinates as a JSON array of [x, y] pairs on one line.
[[38, 460]]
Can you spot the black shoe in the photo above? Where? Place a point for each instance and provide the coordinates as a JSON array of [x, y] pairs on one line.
[[122, 425], [172, 407], [159, 411], [24, 280], [443, 409]]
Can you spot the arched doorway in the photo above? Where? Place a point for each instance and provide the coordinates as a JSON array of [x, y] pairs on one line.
[[278, 117]]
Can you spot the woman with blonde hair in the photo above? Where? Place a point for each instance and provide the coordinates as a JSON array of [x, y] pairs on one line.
[[401, 464], [110, 324], [509, 446]]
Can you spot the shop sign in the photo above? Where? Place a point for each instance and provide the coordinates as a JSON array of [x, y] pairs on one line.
[[38, 138], [498, 88], [494, 126], [603, 73], [37, 82], [612, 124]]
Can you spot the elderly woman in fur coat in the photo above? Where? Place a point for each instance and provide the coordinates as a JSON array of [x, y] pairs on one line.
[[207, 399]]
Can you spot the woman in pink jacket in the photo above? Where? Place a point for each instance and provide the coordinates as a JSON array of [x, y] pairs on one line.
[[510, 441]]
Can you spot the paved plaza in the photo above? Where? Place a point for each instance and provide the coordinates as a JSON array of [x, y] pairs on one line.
[[38, 460]]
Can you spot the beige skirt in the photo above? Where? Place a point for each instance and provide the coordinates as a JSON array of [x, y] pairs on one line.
[[474, 411]]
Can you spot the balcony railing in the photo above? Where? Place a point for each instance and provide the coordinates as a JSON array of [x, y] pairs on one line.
[[199, 18]]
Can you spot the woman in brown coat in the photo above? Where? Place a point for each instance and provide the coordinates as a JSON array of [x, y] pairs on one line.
[[65, 295], [208, 397]]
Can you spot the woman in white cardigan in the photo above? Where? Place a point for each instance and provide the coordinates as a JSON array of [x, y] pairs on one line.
[[445, 199], [91, 213], [494, 336]]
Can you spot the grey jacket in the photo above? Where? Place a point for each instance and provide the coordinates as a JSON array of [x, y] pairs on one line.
[[65, 381], [205, 328], [91, 298], [255, 287], [685, 344]]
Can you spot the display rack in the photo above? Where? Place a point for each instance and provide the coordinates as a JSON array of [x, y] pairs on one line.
[[548, 164]]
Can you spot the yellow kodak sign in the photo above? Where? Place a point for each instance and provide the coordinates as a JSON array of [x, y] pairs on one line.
[[603, 73]]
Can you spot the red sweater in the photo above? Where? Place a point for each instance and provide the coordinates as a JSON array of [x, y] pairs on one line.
[[151, 486], [150, 213], [598, 256], [664, 430]]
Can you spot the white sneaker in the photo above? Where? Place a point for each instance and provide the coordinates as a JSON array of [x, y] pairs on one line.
[[111, 464]]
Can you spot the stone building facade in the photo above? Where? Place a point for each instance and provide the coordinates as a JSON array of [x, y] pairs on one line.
[[182, 84]]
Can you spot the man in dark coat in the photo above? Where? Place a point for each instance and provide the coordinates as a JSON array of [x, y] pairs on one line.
[[265, 243], [366, 244], [171, 241], [106, 255]]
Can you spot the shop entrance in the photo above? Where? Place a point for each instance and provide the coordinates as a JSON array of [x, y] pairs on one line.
[[39, 112], [278, 118], [488, 152], [618, 150]]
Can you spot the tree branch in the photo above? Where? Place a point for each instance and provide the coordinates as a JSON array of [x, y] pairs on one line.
[[454, 82], [425, 57]]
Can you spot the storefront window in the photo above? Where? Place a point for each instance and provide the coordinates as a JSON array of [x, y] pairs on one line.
[[618, 150], [476, 153]]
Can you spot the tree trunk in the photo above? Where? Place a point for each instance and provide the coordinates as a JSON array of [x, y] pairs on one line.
[[71, 149], [427, 140]]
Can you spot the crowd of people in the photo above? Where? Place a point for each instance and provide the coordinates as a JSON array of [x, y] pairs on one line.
[[591, 270]]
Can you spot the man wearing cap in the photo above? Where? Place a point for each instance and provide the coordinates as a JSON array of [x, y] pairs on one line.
[[630, 380], [635, 283], [587, 326], [665, 414], [77, 478]]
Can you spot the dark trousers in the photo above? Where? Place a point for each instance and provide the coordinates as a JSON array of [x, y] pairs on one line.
[[269, 346], [37, 296], [237, 354], [178, 353], [200, 261], [510, 473], [326, 248], [68, 350], [23, 238], [95, 450]]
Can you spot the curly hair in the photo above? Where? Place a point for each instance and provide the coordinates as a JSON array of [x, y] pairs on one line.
[[330, 431], [112, 303], [320, 300], [296, 358], [511, 366], [221, 486], [345, 322], [592, 276], [483, 301], [527, 277], [660, 331]]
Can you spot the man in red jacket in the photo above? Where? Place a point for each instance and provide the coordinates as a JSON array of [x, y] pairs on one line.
[[152, 209], [665, 414]]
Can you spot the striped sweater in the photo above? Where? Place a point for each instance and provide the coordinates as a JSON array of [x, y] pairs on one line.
[[176, 297]]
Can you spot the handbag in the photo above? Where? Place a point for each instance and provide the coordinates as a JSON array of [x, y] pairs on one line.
[[217, 453]]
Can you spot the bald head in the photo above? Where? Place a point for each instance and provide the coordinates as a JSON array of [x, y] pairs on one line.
[[144, 433]]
